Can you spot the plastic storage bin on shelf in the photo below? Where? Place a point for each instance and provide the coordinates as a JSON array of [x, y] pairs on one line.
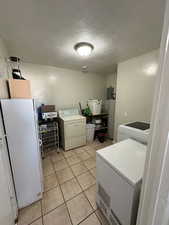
[[90, 129], [95, 106]]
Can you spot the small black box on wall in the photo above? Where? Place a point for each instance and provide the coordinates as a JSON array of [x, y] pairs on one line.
[[111, 93]]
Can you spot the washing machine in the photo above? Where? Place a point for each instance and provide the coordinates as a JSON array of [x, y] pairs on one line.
[[73, 128], [138, 131], [119, 172]]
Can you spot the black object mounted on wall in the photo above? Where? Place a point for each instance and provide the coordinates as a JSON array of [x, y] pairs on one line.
[[15, 67], [14, 59], [16, 74], [111, 93]]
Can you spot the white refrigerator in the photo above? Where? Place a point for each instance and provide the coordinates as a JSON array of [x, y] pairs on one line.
[[7, 171], [20, 125], [6, 212]]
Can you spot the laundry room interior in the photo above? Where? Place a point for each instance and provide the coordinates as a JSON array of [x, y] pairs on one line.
[[77, 82]]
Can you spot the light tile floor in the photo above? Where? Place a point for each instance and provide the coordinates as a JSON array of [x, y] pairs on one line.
[[69, 185]]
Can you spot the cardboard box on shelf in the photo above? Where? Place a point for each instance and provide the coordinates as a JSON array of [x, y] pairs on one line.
[[3, 89], [48, 108], [19, 88]]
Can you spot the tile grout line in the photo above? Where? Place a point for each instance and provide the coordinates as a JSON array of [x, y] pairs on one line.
[[55, 172], [93, 210], [77, 194], [82, 191], [66, 205], [82, 161], [51, 210], [99, 218], [34, 220], [87, 197], [79, 175], [75, 177], [88, 170], [69, 166], [86, 218], [67, 208], [42, 213]]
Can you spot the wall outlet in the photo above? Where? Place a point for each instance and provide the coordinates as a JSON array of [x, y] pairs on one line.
[[125, 114]]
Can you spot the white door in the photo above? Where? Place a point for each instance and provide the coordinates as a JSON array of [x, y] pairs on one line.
[[6, 214]]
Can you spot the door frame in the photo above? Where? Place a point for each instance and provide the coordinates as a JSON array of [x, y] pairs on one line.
[[154, 201]]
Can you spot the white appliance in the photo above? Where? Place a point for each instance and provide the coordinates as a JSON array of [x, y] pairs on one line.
[[49, 115], [6, 209], [19, 119], [119, 171], [138, 131], [73, 128], [95, 106], [8, 172]]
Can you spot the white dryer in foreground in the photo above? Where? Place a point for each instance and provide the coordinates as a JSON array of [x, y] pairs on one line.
[[73, 128], [119, 171]]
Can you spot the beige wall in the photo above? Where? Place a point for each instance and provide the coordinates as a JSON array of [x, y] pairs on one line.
[[110, 104], [135, 89], [63, 87], [3, 57], [4, 68]]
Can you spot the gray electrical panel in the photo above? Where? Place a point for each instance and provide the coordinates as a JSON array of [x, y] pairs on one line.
[[111, 93]]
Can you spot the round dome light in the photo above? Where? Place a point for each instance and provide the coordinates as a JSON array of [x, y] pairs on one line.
[[84, 48]]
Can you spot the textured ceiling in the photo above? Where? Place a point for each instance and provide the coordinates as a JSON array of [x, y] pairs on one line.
[[45, 31]]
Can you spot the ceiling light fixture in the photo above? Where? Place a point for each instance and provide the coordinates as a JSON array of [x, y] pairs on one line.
[[84, 48]]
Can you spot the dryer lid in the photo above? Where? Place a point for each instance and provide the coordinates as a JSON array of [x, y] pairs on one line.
[[139, 125], [68, 112]]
